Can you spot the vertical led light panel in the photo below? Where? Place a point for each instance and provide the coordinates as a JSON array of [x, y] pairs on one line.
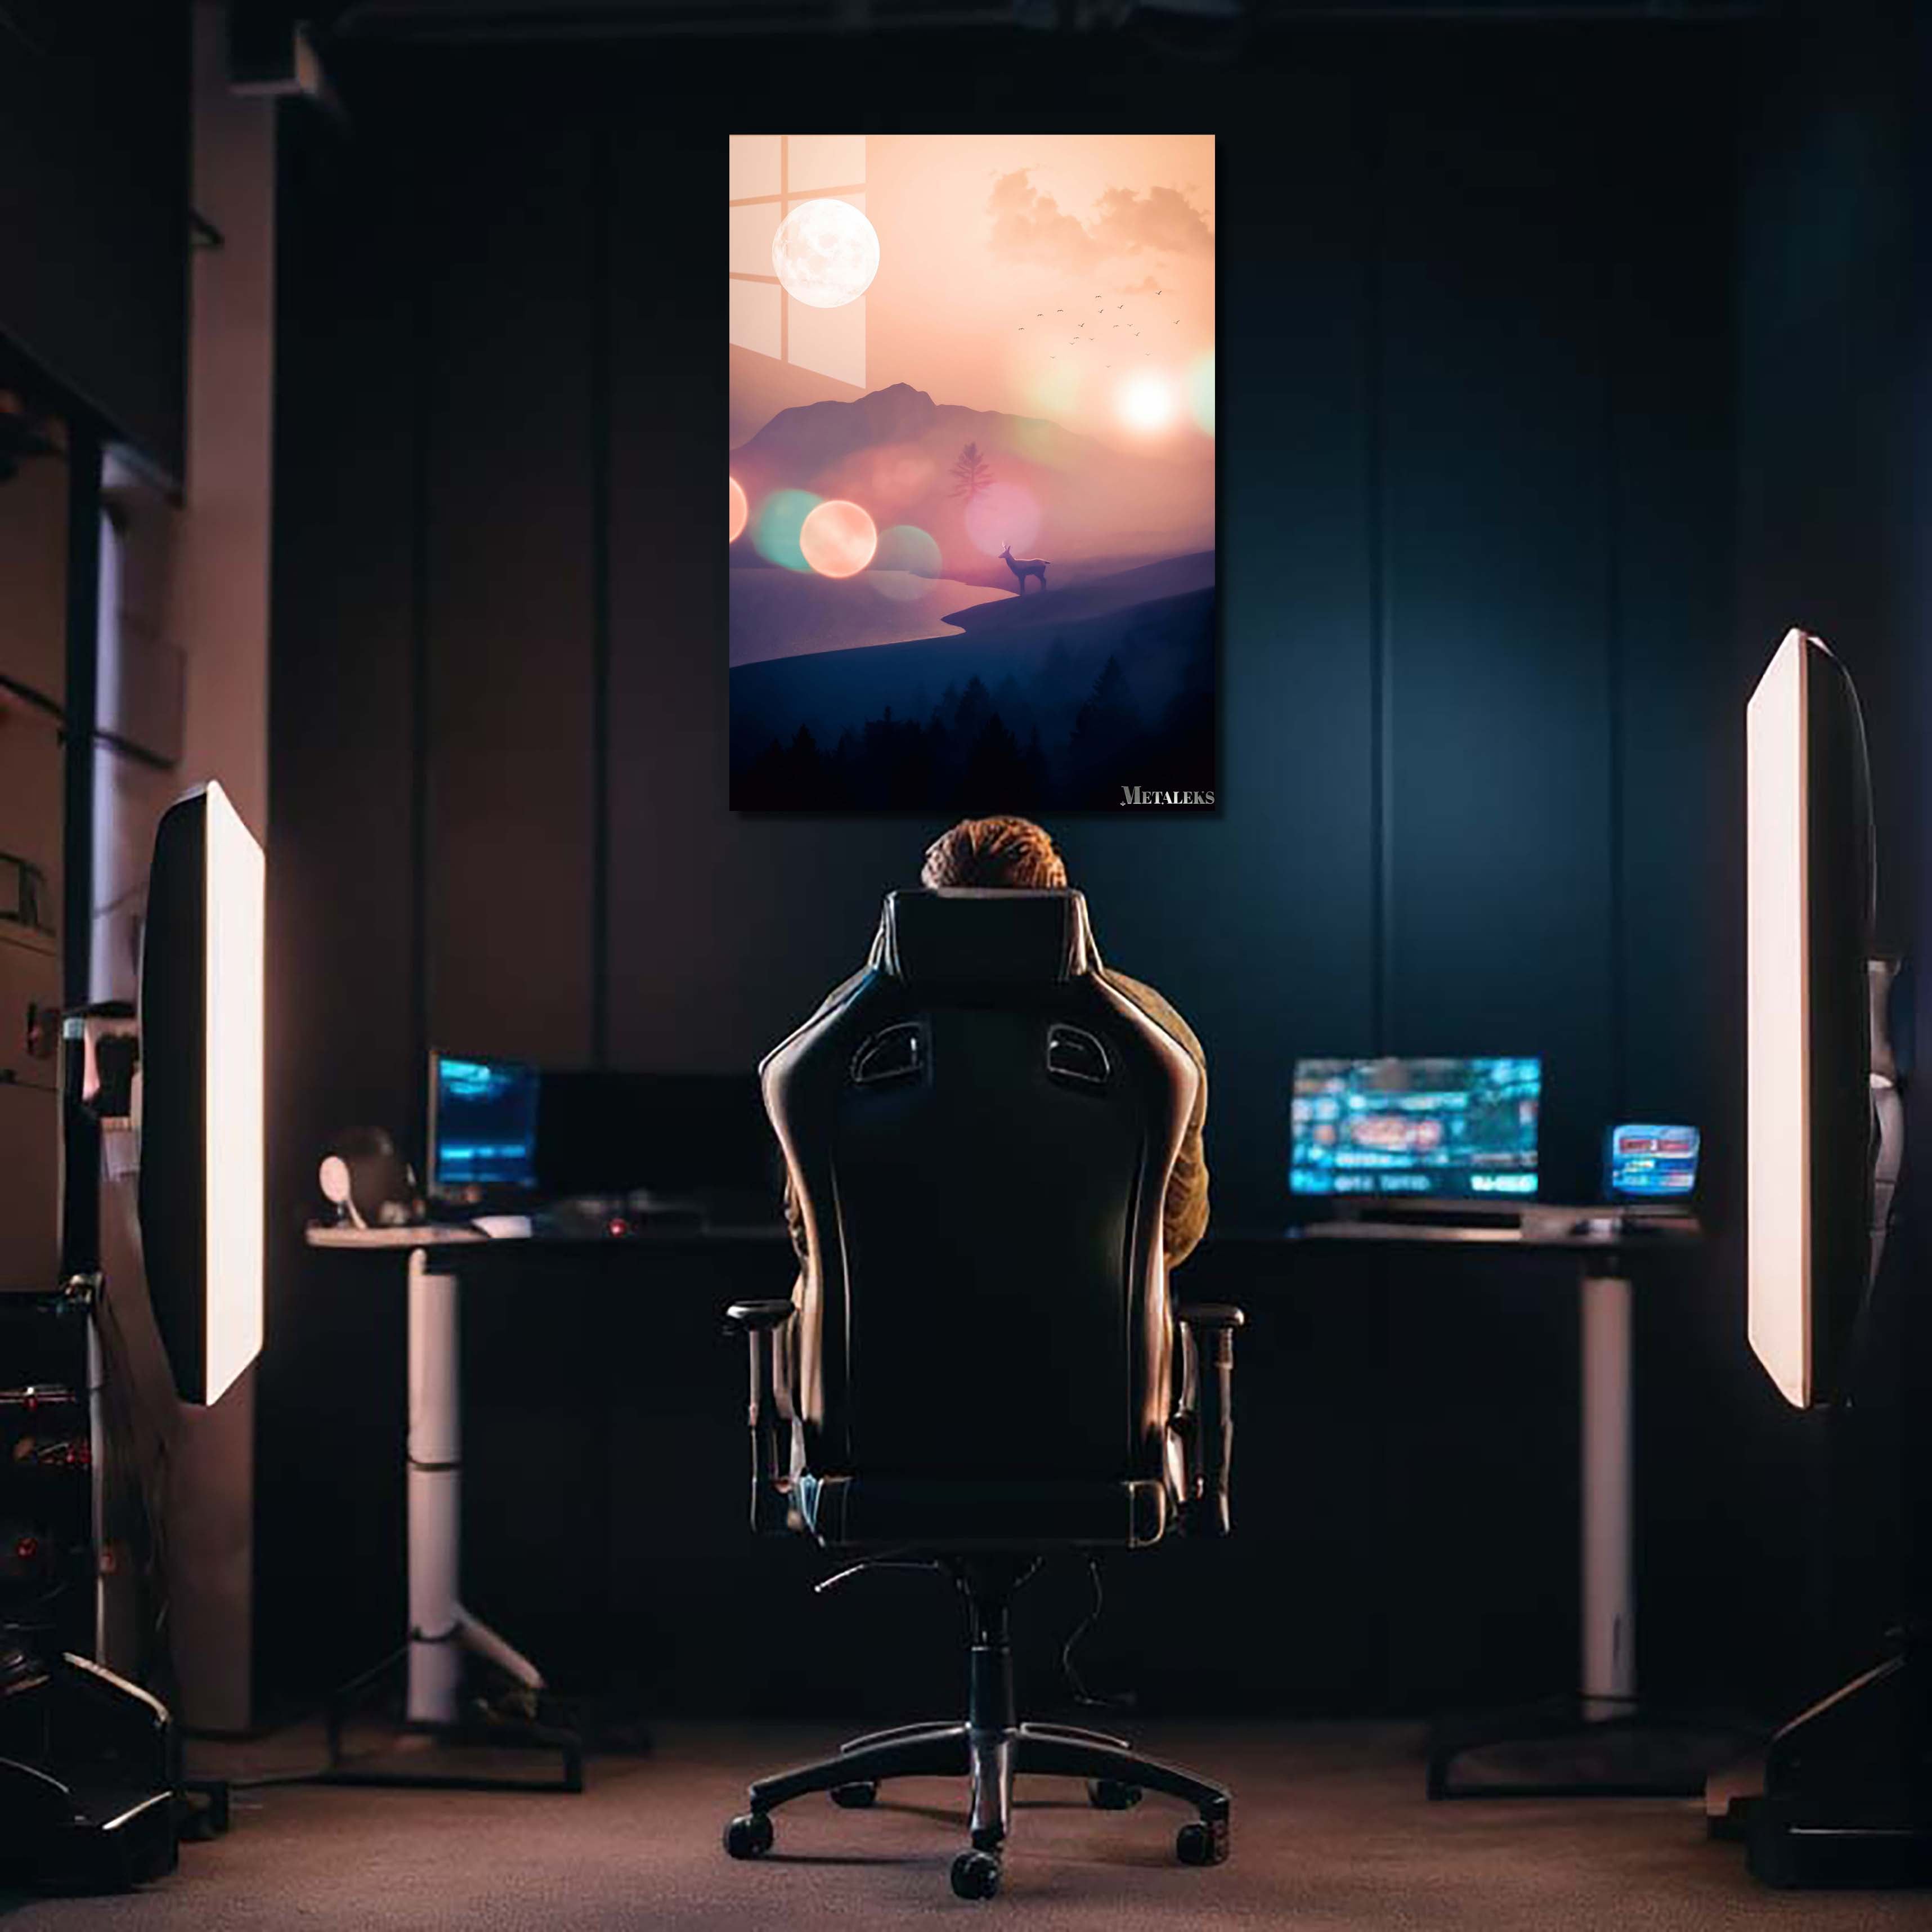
[[1778, 1050], [201, 1030], [1813, 886]]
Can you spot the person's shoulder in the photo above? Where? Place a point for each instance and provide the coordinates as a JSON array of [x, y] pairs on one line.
[[1157, 1007]]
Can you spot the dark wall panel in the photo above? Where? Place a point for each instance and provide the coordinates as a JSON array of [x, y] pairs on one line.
[[94, 208], [512, 842], [344, 908], [1497, 560]]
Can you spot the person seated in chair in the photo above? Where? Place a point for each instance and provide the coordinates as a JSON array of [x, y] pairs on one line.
[[1015, 855]]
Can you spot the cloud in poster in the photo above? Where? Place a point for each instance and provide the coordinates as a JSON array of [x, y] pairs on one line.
[[1162, 219], [1030, 225]]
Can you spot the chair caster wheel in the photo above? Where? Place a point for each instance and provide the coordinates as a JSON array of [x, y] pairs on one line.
[[749, 1836], [1109, 1794], [855, 1797], [1202, 1841], [976, 1874]]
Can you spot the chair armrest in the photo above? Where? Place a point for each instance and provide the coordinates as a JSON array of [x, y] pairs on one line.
[[744, 1318], [1209, 1327], [763, 1324]]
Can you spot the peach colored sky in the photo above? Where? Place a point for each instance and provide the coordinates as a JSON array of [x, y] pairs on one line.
[[978, 234]]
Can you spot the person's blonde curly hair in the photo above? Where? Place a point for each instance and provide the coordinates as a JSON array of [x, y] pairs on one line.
[[1014, 854]]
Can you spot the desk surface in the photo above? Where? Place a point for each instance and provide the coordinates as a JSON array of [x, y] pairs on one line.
[[1582, 1227], [1676, 1230], [443, 1234]]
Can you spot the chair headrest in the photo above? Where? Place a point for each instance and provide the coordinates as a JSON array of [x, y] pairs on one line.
[[973, 936]]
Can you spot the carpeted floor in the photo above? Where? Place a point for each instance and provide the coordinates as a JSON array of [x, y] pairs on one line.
[[1330, 1831]]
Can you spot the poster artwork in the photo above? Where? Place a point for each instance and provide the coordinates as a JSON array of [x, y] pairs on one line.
[[972, 472]]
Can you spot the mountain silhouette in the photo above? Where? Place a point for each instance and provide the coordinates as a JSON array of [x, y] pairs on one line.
[[797, 443], [893, 451]]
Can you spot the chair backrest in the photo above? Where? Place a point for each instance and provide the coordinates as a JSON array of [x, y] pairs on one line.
[[979, 1135]]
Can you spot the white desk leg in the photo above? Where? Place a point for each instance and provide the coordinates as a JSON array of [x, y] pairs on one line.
[[97, 1478], [440, 1629], [1610, 1603], [435, 1480]]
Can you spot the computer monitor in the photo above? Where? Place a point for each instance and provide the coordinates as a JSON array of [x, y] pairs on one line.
[[1436, 1128], [201, 1030], [1646, 1162], [1811, 901], [482, 1128], [607, 1131]]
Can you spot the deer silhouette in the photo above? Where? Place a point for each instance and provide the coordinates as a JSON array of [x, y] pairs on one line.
[[1024, 567]]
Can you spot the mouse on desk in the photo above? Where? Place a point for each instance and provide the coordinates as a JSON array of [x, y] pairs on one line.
[[503, 1227]]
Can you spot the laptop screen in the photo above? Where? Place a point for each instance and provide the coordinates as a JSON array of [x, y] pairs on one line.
[[1447, 1129], [1645, 1163], [483, 1125]]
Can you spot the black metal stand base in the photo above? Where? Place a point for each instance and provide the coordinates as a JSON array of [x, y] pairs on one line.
[[991, 1749], [454, 1757], [89, 1776], [1847, 1796], [1559, 1749]]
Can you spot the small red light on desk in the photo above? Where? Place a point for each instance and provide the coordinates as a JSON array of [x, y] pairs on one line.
[[618, 1225], [26, 1548]]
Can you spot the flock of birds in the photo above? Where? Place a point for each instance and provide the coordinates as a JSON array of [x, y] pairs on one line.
[[1085, 341]]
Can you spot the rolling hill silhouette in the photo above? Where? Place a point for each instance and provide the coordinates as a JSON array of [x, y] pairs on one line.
[[1055, 700], [1089, 597]]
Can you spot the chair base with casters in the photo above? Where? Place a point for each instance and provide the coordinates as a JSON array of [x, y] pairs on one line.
[[990, 1750]]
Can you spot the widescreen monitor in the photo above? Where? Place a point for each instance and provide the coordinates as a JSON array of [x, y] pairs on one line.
[[1435, 1128], [604, 1131], [482, 1128], [1810, 896]]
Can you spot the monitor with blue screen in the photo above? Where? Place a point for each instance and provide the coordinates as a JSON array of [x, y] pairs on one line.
[[1643, 1162], [482, 1127], [1439, 1128]]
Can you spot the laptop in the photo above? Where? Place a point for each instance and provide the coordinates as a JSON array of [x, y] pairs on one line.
[[1650, 1169]]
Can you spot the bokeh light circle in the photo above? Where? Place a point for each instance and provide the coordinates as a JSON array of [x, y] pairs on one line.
[[781, 518], [740, 510], [906, 561], [826, 253], [1146, 403], [906, 546], [838, 538], [1005, 514], [1201, 392]]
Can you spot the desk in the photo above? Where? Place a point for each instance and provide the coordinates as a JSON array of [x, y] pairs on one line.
[[1606, 1703], [440, 1630]]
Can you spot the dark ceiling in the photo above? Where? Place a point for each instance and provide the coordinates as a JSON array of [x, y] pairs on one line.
[[611, 19]]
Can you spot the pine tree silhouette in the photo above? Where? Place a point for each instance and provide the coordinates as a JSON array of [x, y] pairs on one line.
[[1106, 729], [971, 473], [995, 779], [975, 707], [1037, 779]]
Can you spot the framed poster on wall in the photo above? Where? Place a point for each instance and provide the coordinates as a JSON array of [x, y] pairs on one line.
[[972, 473]]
